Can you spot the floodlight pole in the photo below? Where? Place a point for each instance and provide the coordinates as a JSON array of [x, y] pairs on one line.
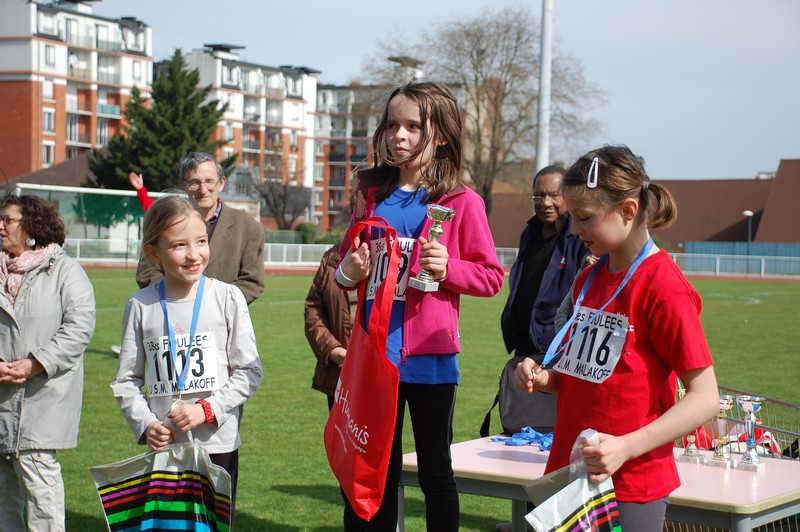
[[749, 215], [545, 76]]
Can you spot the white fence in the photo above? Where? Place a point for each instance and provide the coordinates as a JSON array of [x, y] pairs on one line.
[[124, 253]]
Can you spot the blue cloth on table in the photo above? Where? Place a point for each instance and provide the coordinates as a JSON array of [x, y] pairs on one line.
[[528, 436]]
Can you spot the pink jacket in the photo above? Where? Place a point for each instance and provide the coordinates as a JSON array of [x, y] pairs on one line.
[[431, 318]]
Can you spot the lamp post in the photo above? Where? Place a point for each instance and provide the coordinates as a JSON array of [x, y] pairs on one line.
[[749, 215]]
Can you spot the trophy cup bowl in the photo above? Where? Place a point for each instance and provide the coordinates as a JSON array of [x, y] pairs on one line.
[[750, 404], [722, 451], [424, 281]]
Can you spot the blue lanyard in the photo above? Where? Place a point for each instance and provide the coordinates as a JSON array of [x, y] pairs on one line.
[[555, 346], [173, 347]]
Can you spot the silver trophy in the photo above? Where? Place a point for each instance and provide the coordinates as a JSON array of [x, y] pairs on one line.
[[424, 280], [722, 450], [750, 404]]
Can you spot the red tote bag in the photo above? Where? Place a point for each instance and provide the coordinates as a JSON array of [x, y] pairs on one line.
[[360, 428]]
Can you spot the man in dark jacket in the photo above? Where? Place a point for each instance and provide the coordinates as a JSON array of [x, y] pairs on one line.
[[549, 258]]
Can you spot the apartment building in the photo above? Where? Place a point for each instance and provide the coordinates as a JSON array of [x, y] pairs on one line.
[[269, 120], [65, 77], [346, 118]]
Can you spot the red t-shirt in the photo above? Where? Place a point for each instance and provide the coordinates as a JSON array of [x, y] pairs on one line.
[[664, 339]]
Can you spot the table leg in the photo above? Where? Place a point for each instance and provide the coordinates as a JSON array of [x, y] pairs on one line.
[[740, 523], [518, 522]]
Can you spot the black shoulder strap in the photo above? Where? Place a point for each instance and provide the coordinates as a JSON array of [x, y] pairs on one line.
[[487, 420]]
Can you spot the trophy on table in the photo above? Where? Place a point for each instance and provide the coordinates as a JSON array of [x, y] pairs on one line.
[[750, 404], [690, 453], [722, 449], [424, 280]]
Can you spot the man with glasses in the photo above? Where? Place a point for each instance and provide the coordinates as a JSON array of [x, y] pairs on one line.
[[236, 239], [548, 260]]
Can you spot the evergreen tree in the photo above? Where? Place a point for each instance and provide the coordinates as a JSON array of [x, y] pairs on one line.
[[177, 120]]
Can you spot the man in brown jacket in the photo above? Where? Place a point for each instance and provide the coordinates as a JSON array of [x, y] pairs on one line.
[[236, 239]]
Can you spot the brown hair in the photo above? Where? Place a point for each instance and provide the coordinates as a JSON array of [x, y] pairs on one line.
[[164, 213], [437, 104], [621, 175], [39, 219]]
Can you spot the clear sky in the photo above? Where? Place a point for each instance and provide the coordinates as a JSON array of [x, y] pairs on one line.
[[701, 89]]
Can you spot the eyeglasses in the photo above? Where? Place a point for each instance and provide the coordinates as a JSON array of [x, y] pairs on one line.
[[194, 185], [552, 196], [7, 220]]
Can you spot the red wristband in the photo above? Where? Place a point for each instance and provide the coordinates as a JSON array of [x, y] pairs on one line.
[[208, 411]]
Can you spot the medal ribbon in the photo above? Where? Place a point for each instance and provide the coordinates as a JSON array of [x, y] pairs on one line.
[[555, 346], [173, 346]]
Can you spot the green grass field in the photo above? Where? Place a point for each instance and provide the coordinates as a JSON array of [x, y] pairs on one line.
[[285, 483]]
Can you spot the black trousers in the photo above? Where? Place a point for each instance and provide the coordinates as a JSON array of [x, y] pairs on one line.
[[430, 409], [230, 463]]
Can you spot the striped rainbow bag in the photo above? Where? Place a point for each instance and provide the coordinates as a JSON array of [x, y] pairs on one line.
[[582, 505], [175, 489]]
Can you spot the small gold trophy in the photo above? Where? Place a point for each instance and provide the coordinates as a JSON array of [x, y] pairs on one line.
[[424, 281], [690, 454], [722, 450]]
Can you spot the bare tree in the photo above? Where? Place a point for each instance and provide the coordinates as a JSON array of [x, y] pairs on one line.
[[284, 201], [491, 61]]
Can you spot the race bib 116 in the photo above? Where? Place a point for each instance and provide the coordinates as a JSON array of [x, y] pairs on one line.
[[596, 346]]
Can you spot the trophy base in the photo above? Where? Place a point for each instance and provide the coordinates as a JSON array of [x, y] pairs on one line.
[[730, 463], [750, 466], [423, 286], [691, 459]]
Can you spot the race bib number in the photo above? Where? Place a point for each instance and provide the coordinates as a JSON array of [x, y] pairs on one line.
[[594, 352], [161, 375], [379, 258]]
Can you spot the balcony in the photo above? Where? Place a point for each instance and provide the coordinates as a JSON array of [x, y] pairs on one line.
[[340, 133], [251, 145], [111, 46], [271, 92], [108, 109], [74, 107], [81, 41], [108, 77], [337, 182], [337, 157], [82, 139], [81, 73]]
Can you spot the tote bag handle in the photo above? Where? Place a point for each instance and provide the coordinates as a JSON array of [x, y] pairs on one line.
[[382, 306]]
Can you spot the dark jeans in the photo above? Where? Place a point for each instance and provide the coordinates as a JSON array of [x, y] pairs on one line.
[[430, 408]]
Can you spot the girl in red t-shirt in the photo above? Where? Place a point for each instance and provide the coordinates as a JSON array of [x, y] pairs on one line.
[[635, 329]]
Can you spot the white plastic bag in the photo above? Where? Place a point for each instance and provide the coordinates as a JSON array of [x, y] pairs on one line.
[[582, 504]]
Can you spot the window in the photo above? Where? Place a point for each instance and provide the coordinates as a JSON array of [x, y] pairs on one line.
[[319, 171], [49, 55], [228, 132], [102, 131], [48, 154], [137, 70], [72, 152], [72, 128], [47, 89], [49, 121]]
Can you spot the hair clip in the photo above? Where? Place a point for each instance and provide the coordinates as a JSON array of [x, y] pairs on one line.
[[591, 178]]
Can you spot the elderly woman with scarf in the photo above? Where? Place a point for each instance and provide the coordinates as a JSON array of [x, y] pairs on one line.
[[47, 317]]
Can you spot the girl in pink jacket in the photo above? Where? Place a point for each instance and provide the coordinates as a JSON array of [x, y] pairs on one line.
[[417, 147]]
